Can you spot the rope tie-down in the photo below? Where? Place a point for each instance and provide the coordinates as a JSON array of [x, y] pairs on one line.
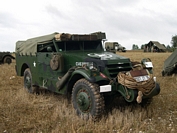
[[144, 87]]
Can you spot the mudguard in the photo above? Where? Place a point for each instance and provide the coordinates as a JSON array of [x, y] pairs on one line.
[[89, 75]]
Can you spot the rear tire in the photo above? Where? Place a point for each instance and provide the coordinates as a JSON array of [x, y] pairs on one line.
[[87, 100], [28, 81]]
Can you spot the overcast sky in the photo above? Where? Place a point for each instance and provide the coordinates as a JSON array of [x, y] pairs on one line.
[[125, 21]]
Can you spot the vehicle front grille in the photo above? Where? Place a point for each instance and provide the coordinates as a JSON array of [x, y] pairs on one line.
[[114, 69]]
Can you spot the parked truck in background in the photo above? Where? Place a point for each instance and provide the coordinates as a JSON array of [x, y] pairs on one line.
[[6, 57], [114, 47]]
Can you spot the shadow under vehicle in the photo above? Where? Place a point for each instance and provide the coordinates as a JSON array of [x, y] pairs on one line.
[[6, 57], [170, 65], [77, 66]]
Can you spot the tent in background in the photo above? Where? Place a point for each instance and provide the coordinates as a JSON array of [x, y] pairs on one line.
[[154, 46]]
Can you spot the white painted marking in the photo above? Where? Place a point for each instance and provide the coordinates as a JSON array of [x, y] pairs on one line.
[[34, 64]]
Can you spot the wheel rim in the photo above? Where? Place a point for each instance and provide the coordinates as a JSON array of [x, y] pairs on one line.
[[83, 100], [28, 81]]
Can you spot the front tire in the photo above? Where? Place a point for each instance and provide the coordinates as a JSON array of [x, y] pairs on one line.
[[87, 100]]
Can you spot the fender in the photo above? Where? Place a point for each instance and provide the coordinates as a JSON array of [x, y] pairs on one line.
[[89, 75], [8, 56], [77, 74], [84, 73], [12, 57], [72, 76]]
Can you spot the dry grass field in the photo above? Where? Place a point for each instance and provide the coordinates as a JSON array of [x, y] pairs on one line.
[[51, 113]]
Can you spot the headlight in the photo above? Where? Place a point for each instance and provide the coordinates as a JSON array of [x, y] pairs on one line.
[[146, 63]]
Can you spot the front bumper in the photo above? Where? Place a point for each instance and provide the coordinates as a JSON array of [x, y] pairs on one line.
[[132, 95]]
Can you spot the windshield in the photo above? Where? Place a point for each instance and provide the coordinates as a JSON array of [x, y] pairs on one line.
[[116, 44], [79, 45]]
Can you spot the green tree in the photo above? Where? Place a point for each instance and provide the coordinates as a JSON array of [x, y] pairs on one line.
[[142, 46], [174, 41], [168, 47], [134, 47]]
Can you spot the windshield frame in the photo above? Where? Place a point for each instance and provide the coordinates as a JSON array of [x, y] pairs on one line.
[[95, 45]]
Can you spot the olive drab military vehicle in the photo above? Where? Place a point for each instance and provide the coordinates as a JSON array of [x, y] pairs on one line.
[[6, 57], [170, 65], [114, 47], [76, 65]]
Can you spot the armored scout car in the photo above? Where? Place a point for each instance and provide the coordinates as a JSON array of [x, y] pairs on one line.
[[6, 57], [76, 65]]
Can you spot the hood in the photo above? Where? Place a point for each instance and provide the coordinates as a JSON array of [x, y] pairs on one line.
[[110, 62], [105, 56], [107, 62]]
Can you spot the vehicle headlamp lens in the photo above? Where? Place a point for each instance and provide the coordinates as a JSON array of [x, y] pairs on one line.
[[146, 63]]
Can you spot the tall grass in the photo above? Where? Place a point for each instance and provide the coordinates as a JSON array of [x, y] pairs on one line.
[[51, 113]]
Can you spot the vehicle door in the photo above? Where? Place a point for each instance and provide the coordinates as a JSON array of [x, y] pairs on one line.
[[49, 65]]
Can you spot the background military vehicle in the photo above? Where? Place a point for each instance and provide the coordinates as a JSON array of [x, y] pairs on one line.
[[170, 64], [76, 65], [114, 47], [6, 57]]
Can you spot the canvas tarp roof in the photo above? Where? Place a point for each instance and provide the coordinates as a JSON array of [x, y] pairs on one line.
[[160, 46], [171, 60], [30, 46]]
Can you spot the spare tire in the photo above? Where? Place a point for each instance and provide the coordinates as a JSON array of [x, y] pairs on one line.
[[54, 62], [57, 62]]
